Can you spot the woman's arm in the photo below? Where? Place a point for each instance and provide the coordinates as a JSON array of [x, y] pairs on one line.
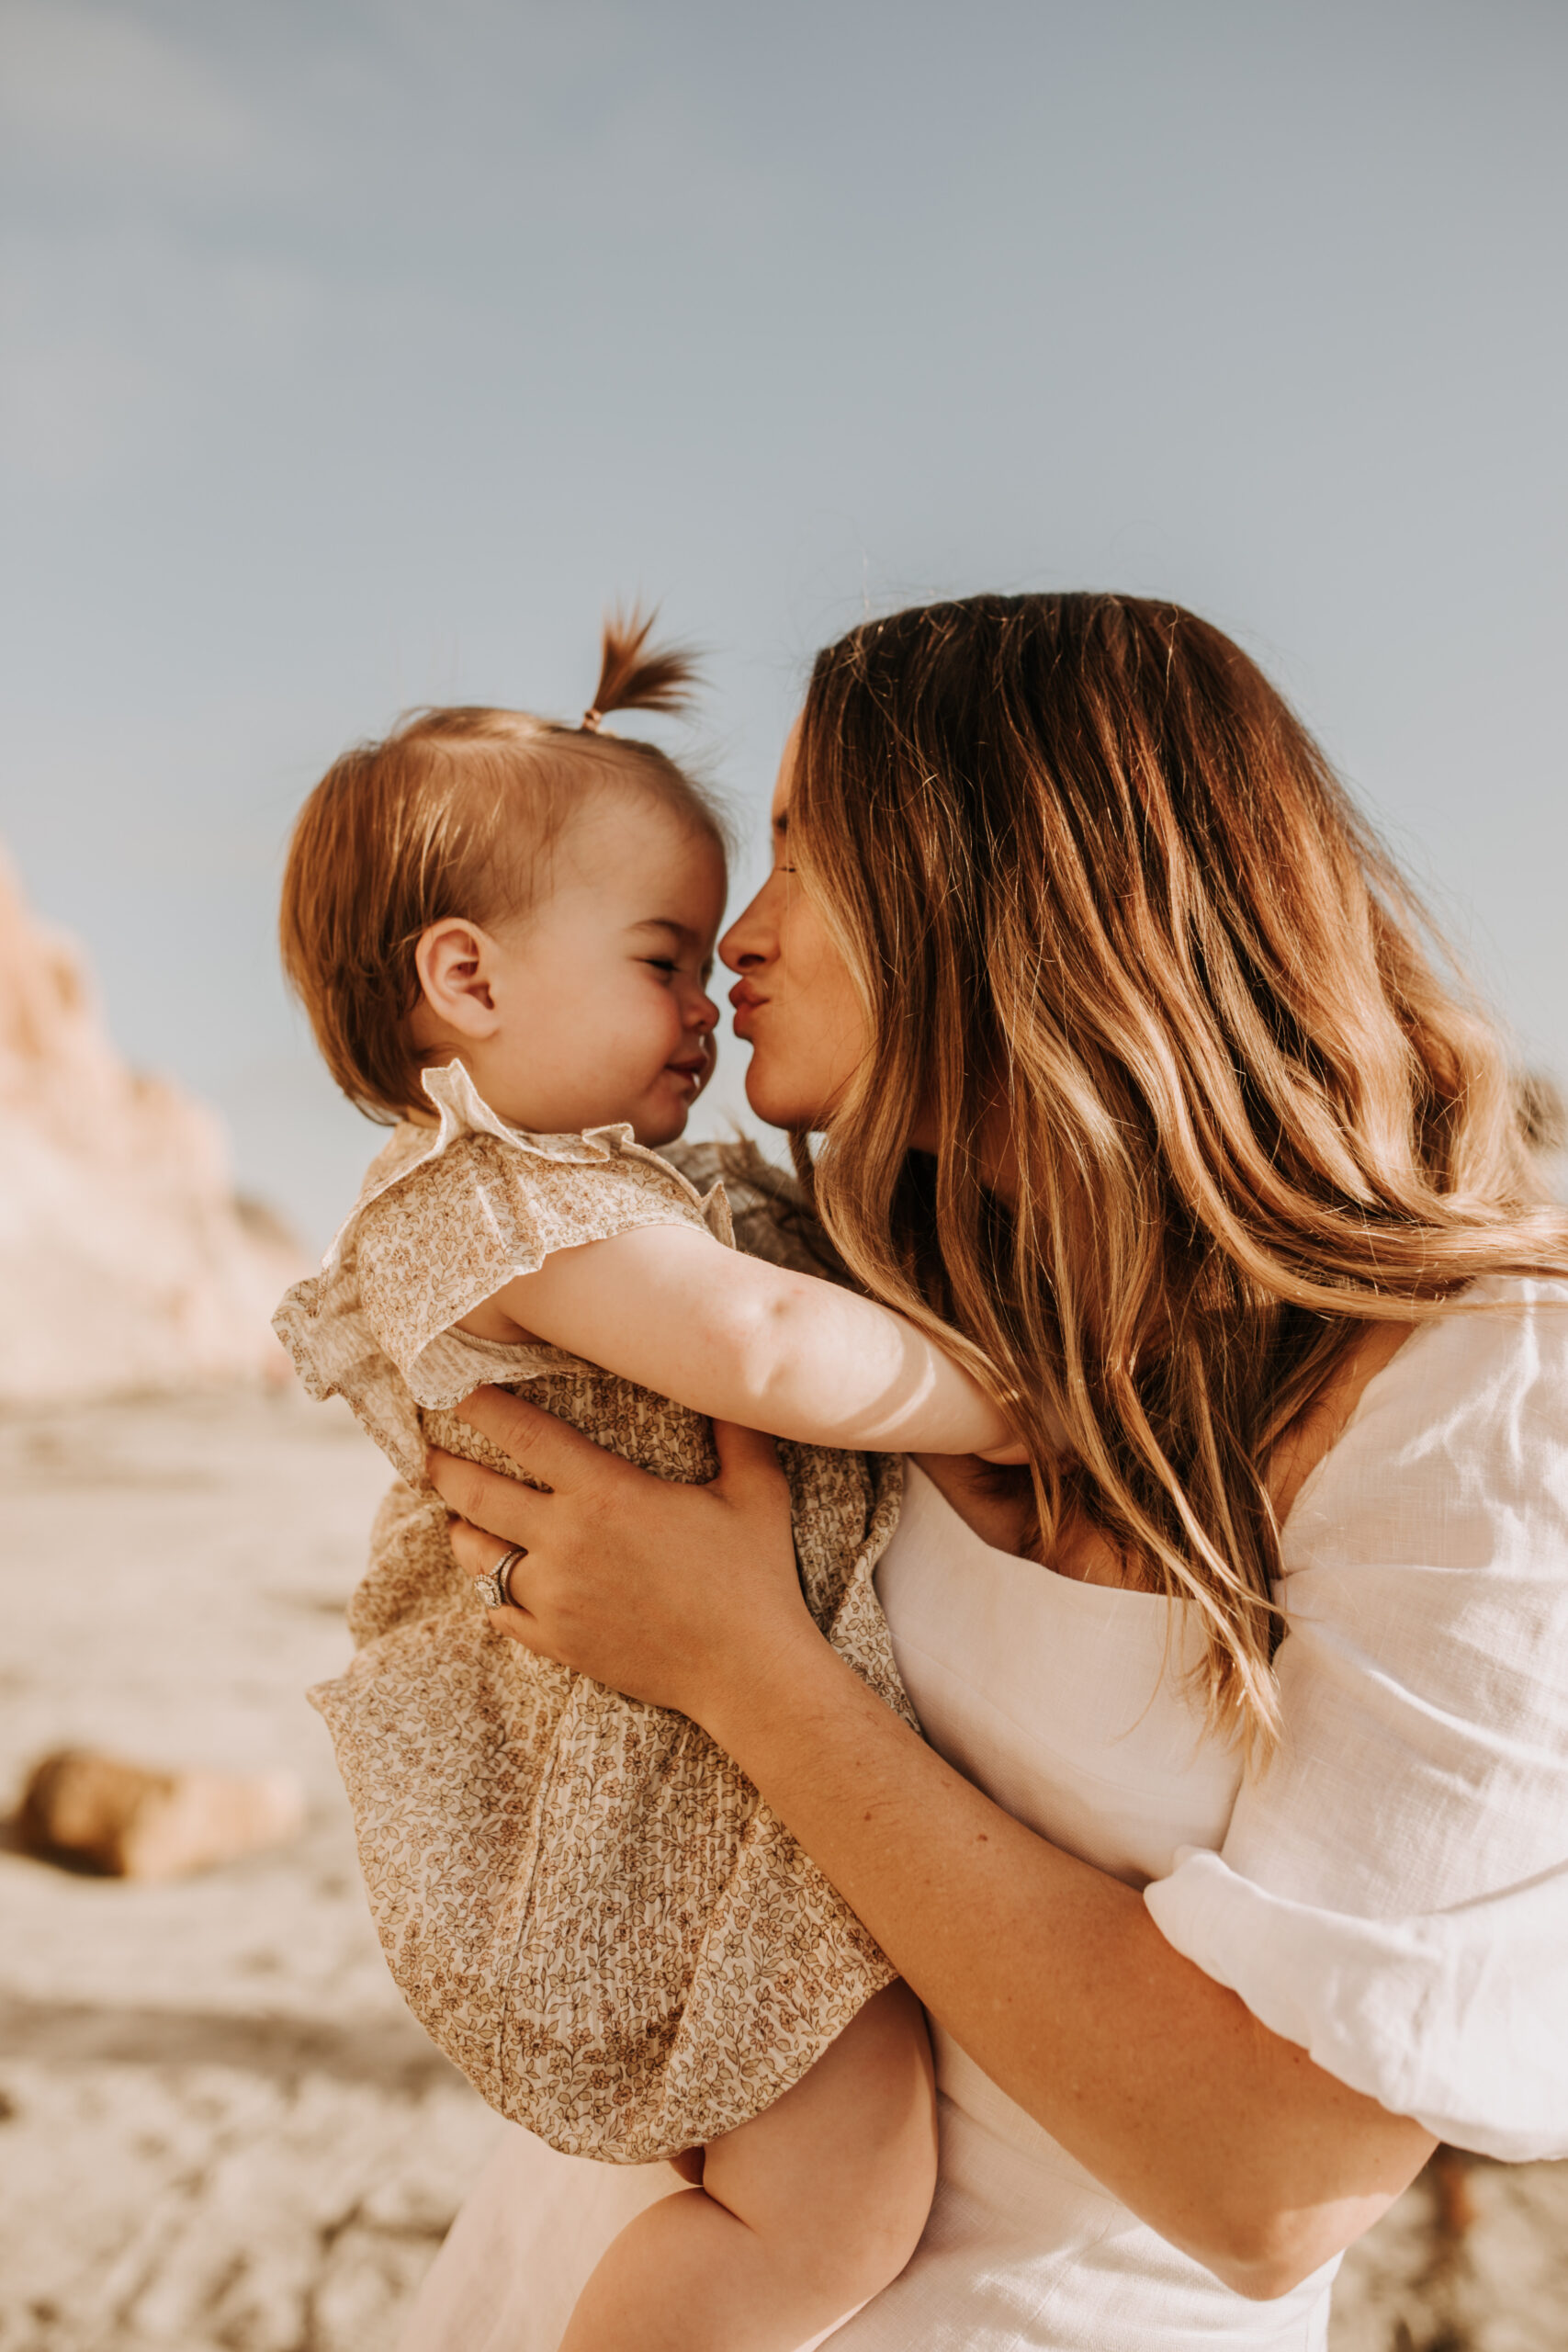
[[1226, 2139], [729, 1335]]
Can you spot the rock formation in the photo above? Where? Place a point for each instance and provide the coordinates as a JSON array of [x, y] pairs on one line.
[[133, 1821], [126, 1260]]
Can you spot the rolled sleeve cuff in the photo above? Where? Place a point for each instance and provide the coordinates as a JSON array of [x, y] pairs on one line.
[[1458, 2017]]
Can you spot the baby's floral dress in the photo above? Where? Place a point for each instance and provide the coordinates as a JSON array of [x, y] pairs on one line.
[[584, 1901]]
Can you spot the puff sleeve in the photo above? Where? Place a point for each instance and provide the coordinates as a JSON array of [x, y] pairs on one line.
[[449, 1214], [1392, 1892]]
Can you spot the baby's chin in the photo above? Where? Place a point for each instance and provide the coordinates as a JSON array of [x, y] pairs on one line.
[[654, 1132], [663, 1119]]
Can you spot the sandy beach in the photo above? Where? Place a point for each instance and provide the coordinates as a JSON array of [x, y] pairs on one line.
[[223, 2128], [219, 2129]]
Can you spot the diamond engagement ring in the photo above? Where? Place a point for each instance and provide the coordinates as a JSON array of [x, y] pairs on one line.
[[492, 1588]]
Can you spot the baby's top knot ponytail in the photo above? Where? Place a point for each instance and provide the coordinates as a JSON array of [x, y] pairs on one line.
[[632, 679], [453, 812]]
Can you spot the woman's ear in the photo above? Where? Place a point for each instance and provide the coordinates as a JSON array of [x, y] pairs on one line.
[[456, 960]]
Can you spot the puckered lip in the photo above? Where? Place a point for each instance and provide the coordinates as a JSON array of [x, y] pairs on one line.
[[746, 998]]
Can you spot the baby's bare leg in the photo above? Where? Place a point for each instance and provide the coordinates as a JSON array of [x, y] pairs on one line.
[[804, 2213]]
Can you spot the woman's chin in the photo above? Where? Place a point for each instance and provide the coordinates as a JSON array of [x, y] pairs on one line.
[[777, 1105]]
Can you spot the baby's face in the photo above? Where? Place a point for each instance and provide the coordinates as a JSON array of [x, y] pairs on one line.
[[602, 987]]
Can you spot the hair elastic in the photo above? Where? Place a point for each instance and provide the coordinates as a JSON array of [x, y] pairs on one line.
[[591, 719]]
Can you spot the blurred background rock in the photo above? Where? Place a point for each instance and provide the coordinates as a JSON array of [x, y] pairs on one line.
[[127, 1259]]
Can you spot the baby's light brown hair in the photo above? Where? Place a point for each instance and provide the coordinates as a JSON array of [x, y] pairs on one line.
[[451, 814]]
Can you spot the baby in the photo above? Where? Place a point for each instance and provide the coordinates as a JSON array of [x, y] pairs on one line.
[[503, 931]]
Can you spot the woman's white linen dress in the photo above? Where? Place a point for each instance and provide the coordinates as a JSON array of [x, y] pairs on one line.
[[1392, 1892]]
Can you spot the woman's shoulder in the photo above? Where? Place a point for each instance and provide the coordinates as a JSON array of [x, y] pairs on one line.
[[1467, 1423], [1403, 1845], [1425, 1595], [1498, 1337]]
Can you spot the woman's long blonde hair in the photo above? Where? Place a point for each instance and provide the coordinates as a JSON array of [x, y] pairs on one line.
[[1095, 881]]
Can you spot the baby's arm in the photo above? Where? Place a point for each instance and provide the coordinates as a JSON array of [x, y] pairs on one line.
[[674, 1309]]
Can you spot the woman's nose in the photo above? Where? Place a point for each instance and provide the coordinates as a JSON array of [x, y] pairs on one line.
[[749, 940]]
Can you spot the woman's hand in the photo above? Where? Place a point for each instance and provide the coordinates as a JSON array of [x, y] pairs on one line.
[[677, 1595]]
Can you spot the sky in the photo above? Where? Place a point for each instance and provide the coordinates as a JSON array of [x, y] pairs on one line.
[[356, 354]]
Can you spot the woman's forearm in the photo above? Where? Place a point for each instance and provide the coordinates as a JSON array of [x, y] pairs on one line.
[[1054, 1978]]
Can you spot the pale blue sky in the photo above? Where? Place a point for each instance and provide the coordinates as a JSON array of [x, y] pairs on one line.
[[357, 352]]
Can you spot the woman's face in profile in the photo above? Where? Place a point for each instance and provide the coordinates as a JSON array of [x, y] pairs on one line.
[[794, 1003]]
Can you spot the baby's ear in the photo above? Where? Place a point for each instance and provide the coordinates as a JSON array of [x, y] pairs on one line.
[[455, 961]]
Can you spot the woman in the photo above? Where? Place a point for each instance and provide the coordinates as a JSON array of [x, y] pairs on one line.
[[1233, 1870]]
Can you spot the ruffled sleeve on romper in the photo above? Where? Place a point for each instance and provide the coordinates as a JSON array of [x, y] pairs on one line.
[[1392, 1890], [448, 1215]]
